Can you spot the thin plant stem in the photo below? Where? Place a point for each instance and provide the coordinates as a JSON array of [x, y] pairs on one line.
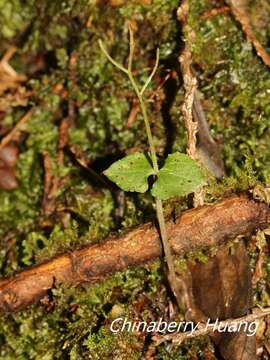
[[131, 49], [159, 207], [152, 74], [141, 101], [147, 124], [115, 63], [167, 250]]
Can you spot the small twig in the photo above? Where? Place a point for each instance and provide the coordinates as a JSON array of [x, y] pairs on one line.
[[5, 65], [72, 86], [47, 204], [8, 54], [133, 113], [261, 245], [9, 77], [240, 14], [214, 12], [190, 85], [178, 338], [52, 182], [63, 139], [16, 128], [259, 272]]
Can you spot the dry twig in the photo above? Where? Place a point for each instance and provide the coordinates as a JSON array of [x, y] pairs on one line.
[[52, 183], [9, 77], [239, 9], [10, 136], [190, 82], [216, 11], [190, 85]]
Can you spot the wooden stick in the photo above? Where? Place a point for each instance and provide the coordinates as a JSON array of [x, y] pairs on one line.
[[240, 11], [206, 226], [190, 86], [16, 128]]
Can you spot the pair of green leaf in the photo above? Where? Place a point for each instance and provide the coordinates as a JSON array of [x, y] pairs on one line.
[[179, 176]]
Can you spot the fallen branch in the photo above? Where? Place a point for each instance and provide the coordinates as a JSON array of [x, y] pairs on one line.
[[203, 227]]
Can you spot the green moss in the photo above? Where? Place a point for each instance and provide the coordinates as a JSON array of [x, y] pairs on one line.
[[190, 348], [107, 345], [27, 333], [14, 17], [236, 89]]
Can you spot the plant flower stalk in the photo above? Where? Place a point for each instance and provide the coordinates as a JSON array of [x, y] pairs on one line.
[[159, 206]]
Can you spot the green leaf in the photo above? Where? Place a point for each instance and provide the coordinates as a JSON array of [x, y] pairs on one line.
[[131, 173], [179, 176]]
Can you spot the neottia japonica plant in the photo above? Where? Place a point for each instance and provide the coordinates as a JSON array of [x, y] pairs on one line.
[[179, 176]]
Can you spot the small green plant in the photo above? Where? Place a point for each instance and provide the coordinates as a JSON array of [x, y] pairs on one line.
[[179, 176]]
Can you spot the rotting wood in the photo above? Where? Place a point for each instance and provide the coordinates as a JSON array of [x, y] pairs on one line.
[[206, 226]]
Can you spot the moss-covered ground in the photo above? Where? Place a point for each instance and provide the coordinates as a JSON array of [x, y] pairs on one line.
[[67, 76]]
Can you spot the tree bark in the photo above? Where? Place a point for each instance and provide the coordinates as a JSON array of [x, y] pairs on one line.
[[207, 226]]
